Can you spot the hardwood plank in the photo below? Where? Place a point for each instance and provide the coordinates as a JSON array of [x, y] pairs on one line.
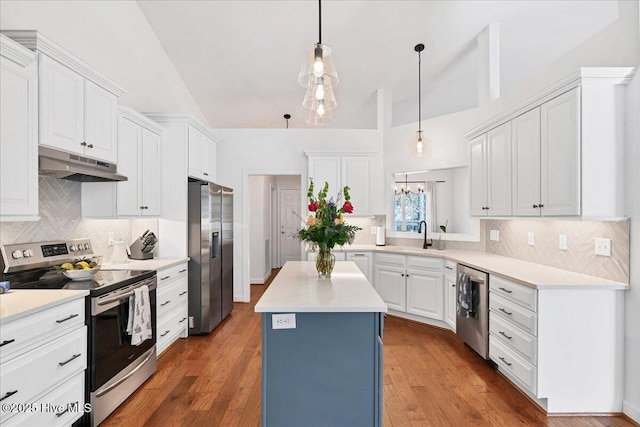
[[430, 379]]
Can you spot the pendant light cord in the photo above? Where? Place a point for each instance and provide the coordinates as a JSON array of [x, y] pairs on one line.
[[419, 93], [319, 21]]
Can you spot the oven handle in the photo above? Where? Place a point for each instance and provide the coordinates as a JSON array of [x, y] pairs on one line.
[[121, 297], [126, 377]]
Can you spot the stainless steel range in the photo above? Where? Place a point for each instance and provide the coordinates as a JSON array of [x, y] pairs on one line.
[[116, 368]]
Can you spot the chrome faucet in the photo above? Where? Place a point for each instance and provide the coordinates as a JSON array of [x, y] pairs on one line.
[[426, 244]]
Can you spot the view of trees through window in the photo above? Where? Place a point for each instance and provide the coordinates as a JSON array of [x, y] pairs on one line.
[[410, 209]]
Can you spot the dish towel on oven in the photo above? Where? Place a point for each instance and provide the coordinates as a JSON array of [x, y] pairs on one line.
[[139, 324], [465, 296]]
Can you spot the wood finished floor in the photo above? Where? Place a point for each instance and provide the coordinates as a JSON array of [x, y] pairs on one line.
[[430, 379]]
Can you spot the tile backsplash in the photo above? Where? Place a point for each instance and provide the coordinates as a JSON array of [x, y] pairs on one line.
[[61, 218]]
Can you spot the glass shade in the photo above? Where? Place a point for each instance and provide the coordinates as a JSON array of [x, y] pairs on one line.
[[318, 62], [316, 119], [320, 90]]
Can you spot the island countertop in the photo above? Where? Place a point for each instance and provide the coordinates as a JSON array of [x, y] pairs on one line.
[[297, 288]]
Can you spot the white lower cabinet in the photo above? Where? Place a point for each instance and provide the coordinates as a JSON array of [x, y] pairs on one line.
[[42, 369], [172, 305], [411, 284], [364, 261], [340, 256], [450, 294]]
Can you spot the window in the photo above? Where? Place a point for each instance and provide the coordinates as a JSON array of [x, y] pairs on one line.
[[412, 208]]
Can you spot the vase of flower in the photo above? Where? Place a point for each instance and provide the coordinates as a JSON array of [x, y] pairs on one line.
[[326, 227], [325, 260]]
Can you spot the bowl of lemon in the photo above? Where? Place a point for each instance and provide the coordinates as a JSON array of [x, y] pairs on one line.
[[79, 270]]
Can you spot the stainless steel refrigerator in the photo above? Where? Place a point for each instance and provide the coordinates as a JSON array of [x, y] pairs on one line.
[[211, 255]]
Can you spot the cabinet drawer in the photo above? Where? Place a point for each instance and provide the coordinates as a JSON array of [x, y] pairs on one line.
[[170, 327], [391, 259], [170, 273], [428, 263], [514, 313], [510, 362], [450, 267], [170, 296], [25, 333], [520, 294], [525, 344], [60, 407], [24, 377]]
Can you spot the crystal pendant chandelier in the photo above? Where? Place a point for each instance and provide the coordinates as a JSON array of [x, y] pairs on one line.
[[319, 76], [419, 143]]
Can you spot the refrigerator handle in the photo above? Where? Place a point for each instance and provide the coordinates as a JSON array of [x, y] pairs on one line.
[[215, 244]]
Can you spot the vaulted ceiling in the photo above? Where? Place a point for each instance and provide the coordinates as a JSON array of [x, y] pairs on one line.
[[240, 59]]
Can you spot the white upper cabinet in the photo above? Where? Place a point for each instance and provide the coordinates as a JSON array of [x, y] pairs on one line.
[[526, 163], [18, 132], [129, 154], [351, 169], [150, 173], [78, 105], [202, 155], [478, 176]]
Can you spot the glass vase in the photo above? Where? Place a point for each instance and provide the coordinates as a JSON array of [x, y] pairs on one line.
[[324, 263]]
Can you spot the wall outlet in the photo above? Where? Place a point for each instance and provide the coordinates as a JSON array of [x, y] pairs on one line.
[[530, 239], [283, 321], [191, 322], [494, 235], [373, 230], [562, 242], [603, 247]]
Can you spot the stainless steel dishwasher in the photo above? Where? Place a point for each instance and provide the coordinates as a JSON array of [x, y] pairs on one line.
[[474, 330]]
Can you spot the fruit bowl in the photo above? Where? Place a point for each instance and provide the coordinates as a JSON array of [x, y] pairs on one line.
[[84, 274]]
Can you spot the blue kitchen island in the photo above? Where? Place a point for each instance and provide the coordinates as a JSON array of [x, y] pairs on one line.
[[322, 360]]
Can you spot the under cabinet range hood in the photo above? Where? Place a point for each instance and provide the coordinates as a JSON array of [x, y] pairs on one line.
[[59, 164]]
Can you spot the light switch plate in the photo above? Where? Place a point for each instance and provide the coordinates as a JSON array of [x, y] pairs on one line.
[[530, 239], [562, 242], [494, 235], [603, 247], [283, 321]]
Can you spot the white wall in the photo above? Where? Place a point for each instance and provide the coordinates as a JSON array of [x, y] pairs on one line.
[[260, 226], [277, 152], [115, 38]]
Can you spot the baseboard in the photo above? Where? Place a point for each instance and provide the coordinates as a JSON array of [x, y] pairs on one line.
[[631, 411]]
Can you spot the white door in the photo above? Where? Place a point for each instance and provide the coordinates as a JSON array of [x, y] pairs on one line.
[[61, 107], [100, 123], [391, 286], [526, 163], [450, 301], [357, 174], [150, 175], [560, 155], [478, 177], [425, 294], [289, 207], [128, 192], [499, 170]]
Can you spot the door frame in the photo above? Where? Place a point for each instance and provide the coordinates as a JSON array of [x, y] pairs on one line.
[[279, 224], [246, 202]]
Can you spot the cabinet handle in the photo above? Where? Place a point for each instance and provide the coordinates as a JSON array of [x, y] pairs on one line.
[[183, 319], [507, 363], [205, 174], [505, 311], [541, 205], [182, 271], [75, 356], [8, 394], [505, 335], [67, 318], [449, 268], [5, 342], [182, 293], [165, 277], [355, 255], [165, 333], [59, 414], [402, 274], [90, 146], [407, 275], [535, 206], [506, 290], [84, 144], [165, 303]]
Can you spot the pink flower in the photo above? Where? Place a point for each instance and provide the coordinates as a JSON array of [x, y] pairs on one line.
[[311, 221], [347, 207]]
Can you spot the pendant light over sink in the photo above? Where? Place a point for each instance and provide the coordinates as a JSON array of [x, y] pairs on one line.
[[319, 76], [419, 143]]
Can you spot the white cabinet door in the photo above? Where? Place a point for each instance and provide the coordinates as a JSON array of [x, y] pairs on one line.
[[195, 153], [129, 152], [150, 176], [499, 170], [325, 169], [478, 177], [208, 159], [560, 155], [100, 123], [391, 286], [364, 262], [425, 294], [450, 301], [18, 139], [525, 148], [61, 107], [357, 173]]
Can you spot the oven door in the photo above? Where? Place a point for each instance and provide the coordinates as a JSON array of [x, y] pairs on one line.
[[110, 345]]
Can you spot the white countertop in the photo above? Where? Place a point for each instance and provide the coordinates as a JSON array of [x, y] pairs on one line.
[[297, 288], [146, 264], [18, 303], [527, 273]]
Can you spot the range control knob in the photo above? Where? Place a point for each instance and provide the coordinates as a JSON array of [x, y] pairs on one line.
[[27, 253], [73, 248], [16, 254], [87, 246]]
